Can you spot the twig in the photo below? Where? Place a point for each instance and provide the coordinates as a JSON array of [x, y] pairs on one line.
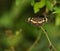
[[36, 41], [51, 45], [38, 38]]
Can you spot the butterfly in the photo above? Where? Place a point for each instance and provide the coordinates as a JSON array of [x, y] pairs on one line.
[[37, 21]]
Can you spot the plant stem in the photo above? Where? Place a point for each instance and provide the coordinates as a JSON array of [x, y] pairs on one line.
[[38, 38], [36, 41], [51, 45]]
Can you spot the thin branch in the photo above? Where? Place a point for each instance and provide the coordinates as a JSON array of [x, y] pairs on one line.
[[38, 38], [51, 45], [35, 43]]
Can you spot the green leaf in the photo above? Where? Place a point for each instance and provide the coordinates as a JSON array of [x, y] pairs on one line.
[[36, 7], [49, 5], [57, 19], [32, 2], [57, 10], [42, 3], [39, 5]]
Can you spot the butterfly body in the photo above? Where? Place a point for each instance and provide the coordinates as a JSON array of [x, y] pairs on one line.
[[38, 21]]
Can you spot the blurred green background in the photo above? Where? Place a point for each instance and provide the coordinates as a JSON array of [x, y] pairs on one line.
[[16, 34]]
